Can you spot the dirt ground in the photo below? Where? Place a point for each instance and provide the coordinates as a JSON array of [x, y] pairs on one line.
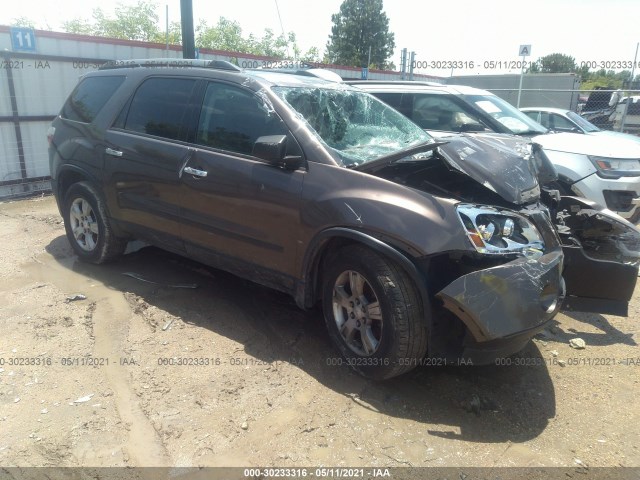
[[233, 374]]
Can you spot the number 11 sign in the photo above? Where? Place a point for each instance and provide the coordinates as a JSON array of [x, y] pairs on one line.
[[23, 39]]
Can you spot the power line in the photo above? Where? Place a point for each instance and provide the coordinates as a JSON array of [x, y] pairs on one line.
[[281, 26]]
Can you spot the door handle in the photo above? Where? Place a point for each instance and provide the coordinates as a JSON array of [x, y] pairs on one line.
[[112, 152], [195, 172]]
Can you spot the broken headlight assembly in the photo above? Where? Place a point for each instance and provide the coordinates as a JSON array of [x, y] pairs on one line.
[[498, 232], [616, 167]]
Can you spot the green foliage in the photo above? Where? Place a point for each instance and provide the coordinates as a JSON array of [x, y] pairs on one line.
[[554, 63], [605, 78], [23, 22], [140, 22], [561, 63], [227, 35], [358, 25], [78, 25]]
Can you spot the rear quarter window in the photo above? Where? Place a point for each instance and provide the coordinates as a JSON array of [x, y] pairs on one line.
[[88, 98]]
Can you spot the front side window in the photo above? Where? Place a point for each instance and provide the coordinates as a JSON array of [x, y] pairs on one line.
[[535, 116], [159, 107], [233, 119], [441, 112], [89, 97], [558, 122]]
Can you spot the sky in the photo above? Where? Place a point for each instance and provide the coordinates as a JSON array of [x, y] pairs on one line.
[[438, 31]]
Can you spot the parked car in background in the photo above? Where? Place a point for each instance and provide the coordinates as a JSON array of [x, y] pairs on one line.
[[413, 247], [599, 169], [599, 106], [631, 114], [561, 120]]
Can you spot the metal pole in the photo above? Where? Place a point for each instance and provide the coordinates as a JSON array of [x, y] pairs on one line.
[[626, 107], [166, 12], [369, 59], [186, 19], [520, 86], [411, 64]]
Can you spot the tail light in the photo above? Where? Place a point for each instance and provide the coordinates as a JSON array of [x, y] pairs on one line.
[[50, 133]]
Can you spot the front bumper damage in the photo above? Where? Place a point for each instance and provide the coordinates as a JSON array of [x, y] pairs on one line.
[[619, 195], [504, 306]]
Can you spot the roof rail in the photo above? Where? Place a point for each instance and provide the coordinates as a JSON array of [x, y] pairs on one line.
[[394, 82], [170, 63]]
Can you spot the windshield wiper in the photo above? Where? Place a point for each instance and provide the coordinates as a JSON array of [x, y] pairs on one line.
[[382, 162], [532, 132]]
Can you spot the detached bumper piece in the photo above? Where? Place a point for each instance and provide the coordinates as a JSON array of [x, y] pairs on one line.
[[503, 307]]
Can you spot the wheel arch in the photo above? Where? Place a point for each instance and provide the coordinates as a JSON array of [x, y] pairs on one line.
[[67, 176], [308, 290]]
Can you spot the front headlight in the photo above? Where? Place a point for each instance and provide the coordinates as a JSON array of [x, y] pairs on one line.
[[499, 232], [616, 167]]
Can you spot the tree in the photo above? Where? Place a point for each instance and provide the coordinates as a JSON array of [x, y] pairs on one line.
[[358, 26], [554, 63], [140, 22], [227, 35], [605, 78], [131, 22], [23, 22]]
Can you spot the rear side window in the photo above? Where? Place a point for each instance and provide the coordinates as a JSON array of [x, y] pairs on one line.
[[159, 107], [89, 97]]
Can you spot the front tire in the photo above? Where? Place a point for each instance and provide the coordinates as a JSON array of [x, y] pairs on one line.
[[374, 313], [87, 225]]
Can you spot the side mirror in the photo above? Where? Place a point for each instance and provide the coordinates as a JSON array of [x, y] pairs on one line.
[[273, 148]]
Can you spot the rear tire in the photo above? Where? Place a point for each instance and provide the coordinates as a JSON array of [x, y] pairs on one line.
[[374, 313], [87, 225]]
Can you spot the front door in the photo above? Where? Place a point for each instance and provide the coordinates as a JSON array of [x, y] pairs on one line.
[[238, 212]]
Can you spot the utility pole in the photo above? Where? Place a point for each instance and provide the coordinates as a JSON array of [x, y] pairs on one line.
[[413, 62], [166, 12], [403, 61], [626, 106], [186, 20]]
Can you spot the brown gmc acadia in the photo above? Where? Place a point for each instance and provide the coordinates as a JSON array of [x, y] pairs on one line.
[[414, 248]]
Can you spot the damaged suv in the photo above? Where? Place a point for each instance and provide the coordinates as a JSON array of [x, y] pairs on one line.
[[414, 248]]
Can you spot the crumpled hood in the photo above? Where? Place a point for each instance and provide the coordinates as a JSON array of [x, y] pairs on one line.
[[499, 162], [596, 145]]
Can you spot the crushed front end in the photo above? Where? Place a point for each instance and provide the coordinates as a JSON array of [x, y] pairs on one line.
[[490, 301]]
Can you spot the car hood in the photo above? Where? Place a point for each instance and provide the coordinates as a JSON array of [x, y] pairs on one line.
[[617, 135], [499, 162], [595, 145]]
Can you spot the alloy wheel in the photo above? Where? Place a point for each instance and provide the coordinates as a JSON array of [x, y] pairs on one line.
[[357, 313]]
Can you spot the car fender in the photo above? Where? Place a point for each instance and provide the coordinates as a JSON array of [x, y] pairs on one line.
[[571, 166], [306, 289]]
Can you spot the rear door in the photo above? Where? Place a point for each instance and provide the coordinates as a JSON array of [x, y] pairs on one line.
[[144, 155], [239, 213]]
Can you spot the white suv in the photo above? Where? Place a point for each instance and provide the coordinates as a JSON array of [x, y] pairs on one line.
[[604, 170]]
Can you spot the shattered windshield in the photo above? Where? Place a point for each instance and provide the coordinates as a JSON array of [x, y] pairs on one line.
[[357, 127]]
